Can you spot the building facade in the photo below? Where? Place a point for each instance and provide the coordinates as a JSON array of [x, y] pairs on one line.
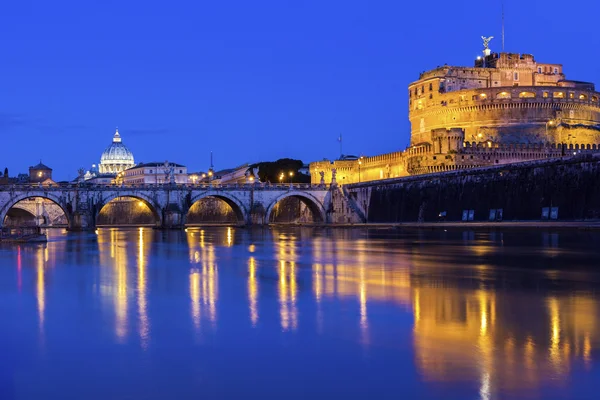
[[506, 108], [154, 173]]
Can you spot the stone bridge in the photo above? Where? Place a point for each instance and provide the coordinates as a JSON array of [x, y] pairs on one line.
[[251, 203]]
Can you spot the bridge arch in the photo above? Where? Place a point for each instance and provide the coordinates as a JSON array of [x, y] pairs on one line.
[[30, 195], [313, 204], [147, 200], [236, 205]]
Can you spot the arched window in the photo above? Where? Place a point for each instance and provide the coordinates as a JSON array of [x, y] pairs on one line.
[[582, 97], [558, 95], [503, 95]]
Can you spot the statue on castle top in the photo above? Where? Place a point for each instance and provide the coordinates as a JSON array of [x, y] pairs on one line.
[[486, 42], [333, 175], [322, 173]]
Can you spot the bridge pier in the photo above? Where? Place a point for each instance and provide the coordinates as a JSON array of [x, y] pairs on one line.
[[172, 218], [81, 221]]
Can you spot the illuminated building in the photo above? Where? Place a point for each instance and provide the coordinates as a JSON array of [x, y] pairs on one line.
[[506, 108], [116, 158]]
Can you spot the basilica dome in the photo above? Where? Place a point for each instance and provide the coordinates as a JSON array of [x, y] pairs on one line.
[[116, 158]]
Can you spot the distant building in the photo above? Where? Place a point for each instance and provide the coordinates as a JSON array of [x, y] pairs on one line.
[[232, 176], [101, 179], [116, 158], [197, 177], [40, 173], [155, 173]]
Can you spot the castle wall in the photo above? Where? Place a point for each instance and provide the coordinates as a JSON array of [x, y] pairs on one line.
[[520, 191]]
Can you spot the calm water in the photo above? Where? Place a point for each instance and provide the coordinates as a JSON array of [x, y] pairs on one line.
[[300, 313]]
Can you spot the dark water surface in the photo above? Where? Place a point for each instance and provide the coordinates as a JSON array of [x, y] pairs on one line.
[[301, 313]]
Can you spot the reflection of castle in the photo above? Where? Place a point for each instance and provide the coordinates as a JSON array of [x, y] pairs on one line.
[[507, 108], [501, 340]]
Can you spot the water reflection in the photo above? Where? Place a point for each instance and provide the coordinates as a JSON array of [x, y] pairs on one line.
[[142, 286], [488, 311], [203, 277], [288, 287], [252, 291]]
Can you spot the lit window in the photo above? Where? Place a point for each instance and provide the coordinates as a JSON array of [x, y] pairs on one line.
[[558, 95], [582, 97], [555, 71], [571, 95], [545, 95], [503, 95], [595, 99], [527, 95]]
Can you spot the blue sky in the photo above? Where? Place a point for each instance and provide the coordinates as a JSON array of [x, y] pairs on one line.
[[249, 80]]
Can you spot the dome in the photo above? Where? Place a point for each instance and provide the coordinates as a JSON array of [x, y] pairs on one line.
[[116, 158]]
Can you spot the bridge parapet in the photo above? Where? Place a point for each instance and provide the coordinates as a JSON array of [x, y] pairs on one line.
[[252, 203]]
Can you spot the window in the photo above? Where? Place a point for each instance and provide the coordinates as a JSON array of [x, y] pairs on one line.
[[558, 95], [582, 97], [545, 95], [571, 95], [527, 95], [430, 87], [181, 171], [150, 171], [539, 70], [555, 71], [595, 99], [516, 76]]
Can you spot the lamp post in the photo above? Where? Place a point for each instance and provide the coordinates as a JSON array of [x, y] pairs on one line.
[[291, 175], [281, 178]]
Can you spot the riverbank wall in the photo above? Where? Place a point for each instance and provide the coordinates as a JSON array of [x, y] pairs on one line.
[[564, 189]]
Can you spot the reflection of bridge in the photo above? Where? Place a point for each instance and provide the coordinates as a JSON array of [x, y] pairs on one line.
[[252, 204]]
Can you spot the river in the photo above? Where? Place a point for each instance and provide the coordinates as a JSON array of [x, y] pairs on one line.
[[299, 313]]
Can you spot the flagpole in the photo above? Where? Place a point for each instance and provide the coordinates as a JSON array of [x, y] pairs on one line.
[[340, 140]]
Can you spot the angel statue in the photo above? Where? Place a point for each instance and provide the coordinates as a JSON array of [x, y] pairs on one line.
[[486, 42]]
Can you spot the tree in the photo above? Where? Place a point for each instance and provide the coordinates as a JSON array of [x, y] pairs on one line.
[[270, 171]]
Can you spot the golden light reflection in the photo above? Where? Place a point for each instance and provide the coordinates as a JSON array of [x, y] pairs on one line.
[[195, 298], [229, 236], [144, 322], [252, 291], [121, 294], [464, 334], [287, 283], [203, 279], [41, 287], [554, 348]]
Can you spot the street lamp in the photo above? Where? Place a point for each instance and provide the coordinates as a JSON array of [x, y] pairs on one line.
[[281, 177], [291, 175]]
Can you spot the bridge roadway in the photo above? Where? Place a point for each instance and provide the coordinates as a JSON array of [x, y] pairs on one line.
[[252, 203]]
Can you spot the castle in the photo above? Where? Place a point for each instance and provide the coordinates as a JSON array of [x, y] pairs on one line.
[[507, 108]]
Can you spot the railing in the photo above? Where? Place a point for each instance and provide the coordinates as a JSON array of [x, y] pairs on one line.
[[181, 186]]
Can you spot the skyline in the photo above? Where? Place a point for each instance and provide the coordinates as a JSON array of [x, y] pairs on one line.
[[182, 82]]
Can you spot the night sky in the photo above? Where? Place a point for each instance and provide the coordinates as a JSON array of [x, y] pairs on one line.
[[249, 80]]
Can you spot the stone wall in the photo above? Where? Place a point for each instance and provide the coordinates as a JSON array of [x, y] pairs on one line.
[[521, 191]]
